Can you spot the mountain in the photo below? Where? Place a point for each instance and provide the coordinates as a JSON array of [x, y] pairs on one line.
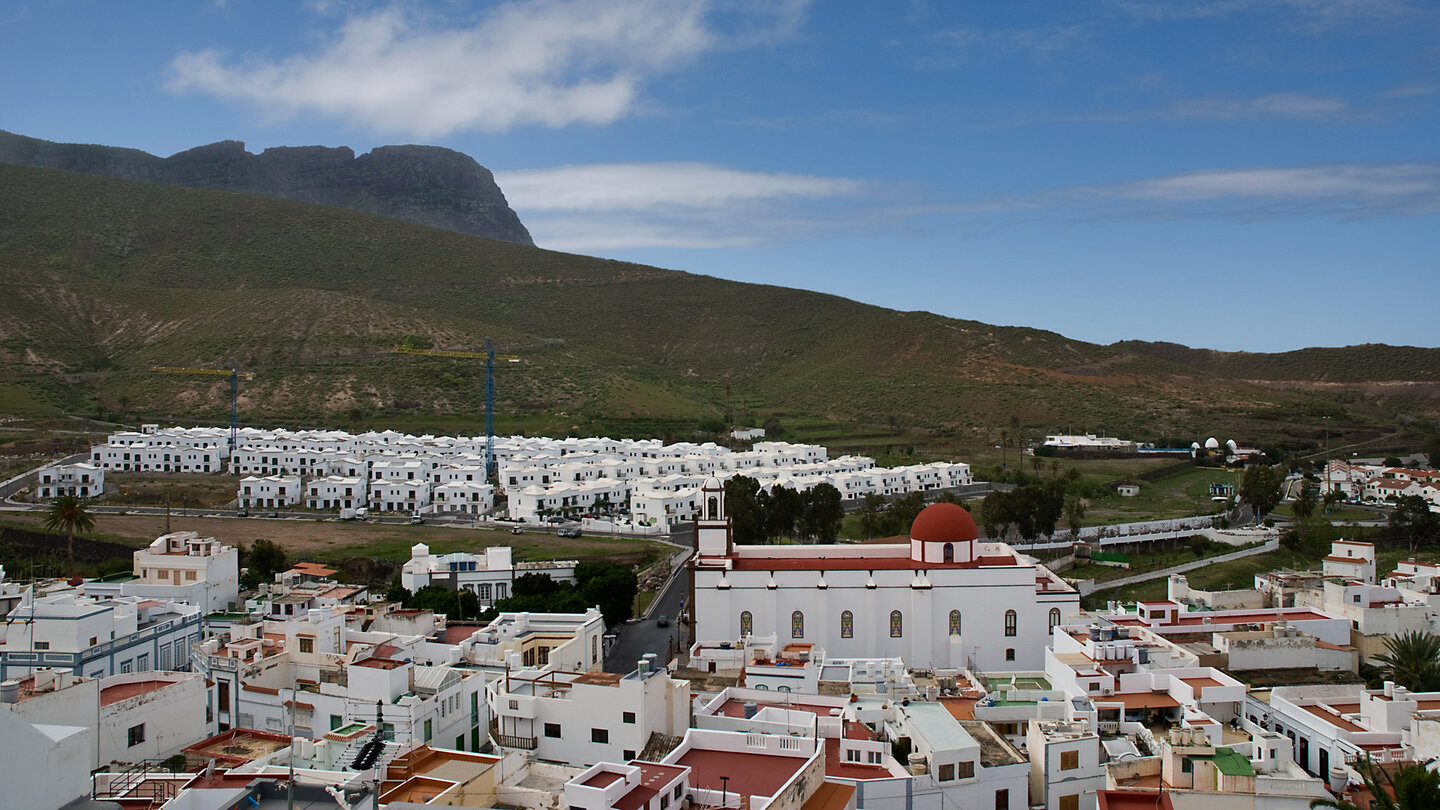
[[426, 185], [105, 278]]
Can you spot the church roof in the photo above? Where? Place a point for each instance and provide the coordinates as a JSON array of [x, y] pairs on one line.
[[944, 523]]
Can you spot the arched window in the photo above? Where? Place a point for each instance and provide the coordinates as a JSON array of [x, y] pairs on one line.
[[847, 624], [762, 687], [714, 510], [949, 552], [954, 622], [782, 689], [1054, 619], [1012, 622], [747, 623], [797, 625], [897, 624]]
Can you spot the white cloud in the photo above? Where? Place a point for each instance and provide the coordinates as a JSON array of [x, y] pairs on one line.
[[644, 186], [551, 63], [630, 205], [1340, 184], [1273, 105]]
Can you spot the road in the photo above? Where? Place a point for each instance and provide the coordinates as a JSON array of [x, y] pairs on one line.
[[642, 635]]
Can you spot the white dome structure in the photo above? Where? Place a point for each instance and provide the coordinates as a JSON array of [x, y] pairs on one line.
[[1212, 443]]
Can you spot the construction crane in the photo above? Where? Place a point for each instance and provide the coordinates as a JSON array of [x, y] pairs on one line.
[[490, 358], [235, 375]]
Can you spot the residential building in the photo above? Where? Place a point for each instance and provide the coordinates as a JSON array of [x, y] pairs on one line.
[[79, 480], [179, 567], [489, 576], [98, 638], [269, 492]]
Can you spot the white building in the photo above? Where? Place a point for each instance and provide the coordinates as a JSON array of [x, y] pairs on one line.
[[490, 575], [943, 600], [1065, 768], [270, 491], [336, 492], [179, 567], [98, 638], [45, 765], [1350, 559], [81, 480], [399, 494], [469, 497], [581, 718]]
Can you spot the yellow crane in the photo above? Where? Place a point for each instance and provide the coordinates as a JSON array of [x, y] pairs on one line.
[[235, 375], [490, 358]]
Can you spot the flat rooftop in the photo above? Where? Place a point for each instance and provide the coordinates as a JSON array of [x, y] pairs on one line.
[[124, 691], [748, 774], [940, 729]]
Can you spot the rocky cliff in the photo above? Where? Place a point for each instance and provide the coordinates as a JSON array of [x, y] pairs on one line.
[[427, 185]]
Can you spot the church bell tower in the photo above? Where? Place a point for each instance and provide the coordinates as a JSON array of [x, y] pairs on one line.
[[713, 532]]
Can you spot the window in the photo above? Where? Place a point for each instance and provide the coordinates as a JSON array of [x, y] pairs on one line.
[[1094, 686], [94, 640], [483, 591], [628, 754], [664, 802], [428, 729], [965, 770], [552, 730], [1010, 654], [307, 645], [847, 624], [1069, 760], [946, 772], [954, 622], [797, 625], [1071, 802], [897, 624], [336, 721], [1012, 623], [135, 735], [42, 645], [600, 735], [1002, 800], [594, 649], [627, 717], [679, 789], [1054, 619], [142, 663], [129, 666]]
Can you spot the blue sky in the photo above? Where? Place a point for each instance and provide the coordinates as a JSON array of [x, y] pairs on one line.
[[1236, 174]]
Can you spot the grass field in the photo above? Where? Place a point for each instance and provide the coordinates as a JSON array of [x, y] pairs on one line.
[[336, 541], [1148, 561]]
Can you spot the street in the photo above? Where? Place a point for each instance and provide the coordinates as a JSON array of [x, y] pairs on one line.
[[641, 635]]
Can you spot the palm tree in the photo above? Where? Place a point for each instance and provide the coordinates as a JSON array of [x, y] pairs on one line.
[[1412, 659], [1408, 787], [70, 515], [1305, 502]]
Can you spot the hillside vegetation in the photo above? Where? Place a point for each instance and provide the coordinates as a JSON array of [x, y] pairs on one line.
[[105, 278]]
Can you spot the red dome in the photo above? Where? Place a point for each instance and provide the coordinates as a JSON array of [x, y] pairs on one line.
[[944, 523]]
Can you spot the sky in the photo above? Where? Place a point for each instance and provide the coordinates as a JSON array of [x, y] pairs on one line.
[[1257, 175]]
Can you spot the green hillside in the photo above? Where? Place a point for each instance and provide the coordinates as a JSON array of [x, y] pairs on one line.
[[104, 278]]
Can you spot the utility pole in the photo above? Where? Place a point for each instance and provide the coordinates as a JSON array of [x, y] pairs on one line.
[[489, 409]]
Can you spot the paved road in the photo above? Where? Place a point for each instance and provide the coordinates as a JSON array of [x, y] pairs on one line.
[[643, 635]]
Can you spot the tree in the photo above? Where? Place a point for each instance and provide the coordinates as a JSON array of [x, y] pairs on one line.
[[1261, 488], [1412, 659], [1413, 520], [1074, 513], [263, 560], [1305, 502], [902, 513], [609, 586], [783, 512], [872, 515], [534, 585], [1407, 787], [742, 505], [1431, 448], [70, 515], [823, 514], [1329, 499]]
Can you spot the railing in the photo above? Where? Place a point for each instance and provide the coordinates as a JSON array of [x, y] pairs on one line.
[[125, 783], [511, 740]]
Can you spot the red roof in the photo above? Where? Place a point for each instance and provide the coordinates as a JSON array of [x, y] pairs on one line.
[[123, 691], [944, 523], [822, 563], [749, 774]]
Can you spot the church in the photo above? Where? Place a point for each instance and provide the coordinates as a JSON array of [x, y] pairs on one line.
[[943, 600]]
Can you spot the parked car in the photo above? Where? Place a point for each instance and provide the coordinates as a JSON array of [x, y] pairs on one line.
[[662, 621], [417, 519], [569, 532], [516, 530], [242, 513]]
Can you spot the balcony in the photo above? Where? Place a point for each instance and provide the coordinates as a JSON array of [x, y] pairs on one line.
[[511, 740]]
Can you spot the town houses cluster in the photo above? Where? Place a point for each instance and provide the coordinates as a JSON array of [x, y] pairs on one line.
[[638, 483], [944, 671], [936, 671]]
